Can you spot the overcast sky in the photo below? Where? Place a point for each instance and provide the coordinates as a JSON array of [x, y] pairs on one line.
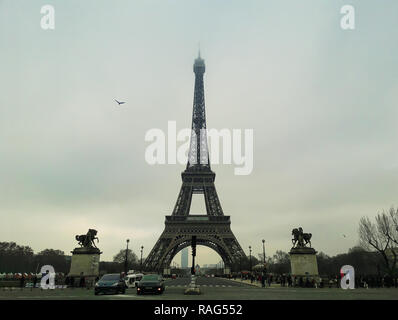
[[322, 102]]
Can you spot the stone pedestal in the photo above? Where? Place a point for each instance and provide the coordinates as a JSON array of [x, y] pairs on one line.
[[85, 262], [303, 262]]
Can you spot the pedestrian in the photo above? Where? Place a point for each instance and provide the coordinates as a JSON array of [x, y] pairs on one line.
[[34, 281], [72, 282], [82, 282], [313, 284], [22, 281], [263, 280]]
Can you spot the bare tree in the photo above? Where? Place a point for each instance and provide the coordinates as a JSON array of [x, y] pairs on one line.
[[132, 259], [381, 236], [393, 231], [281, 257]]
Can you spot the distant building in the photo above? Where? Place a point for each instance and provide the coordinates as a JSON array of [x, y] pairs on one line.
[[184, 258]]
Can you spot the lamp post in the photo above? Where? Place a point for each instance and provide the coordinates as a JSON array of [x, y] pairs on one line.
[[125, 260], [142, 248], [250, 257], [193, 245], [264, 253]]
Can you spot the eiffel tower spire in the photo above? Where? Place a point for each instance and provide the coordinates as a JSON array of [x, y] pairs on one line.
[[198, 157], [198, 177]]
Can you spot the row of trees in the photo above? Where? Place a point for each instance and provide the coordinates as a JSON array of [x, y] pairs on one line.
[[364, 262], [15, 258]]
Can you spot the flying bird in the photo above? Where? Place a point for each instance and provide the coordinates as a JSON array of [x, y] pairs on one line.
[[119, 102], [344, 235]]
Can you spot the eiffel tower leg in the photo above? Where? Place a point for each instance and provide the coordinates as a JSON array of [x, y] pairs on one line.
[[153, 262], [213, 205], [235, 251], [183, 203]]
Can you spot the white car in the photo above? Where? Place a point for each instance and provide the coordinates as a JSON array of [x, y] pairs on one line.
[[133, 279]]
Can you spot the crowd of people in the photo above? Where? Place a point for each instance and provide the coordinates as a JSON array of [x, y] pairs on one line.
[[283, 279], [288, 280], [34, 281], [374, 281]]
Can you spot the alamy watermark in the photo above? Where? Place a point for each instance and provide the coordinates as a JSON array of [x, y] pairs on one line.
[[347, 277], [47, 22], [48, 279], [237, 147], [347, 22]]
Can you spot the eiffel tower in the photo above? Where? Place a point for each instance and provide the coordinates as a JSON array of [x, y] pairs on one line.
[[211, 229]]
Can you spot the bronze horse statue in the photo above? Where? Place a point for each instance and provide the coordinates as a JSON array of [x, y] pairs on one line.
[[300, 238], [87, 240]]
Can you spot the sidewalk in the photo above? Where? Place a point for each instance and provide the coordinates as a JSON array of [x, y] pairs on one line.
[[256, 283]]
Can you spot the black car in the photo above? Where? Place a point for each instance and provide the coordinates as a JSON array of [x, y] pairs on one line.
[[110, 283], [151, 283]]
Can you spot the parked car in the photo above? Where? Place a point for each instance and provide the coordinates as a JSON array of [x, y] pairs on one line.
[[151, 283], [110, 283]]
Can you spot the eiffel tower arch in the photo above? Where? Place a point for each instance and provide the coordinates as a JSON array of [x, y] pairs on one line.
[[212, 229]]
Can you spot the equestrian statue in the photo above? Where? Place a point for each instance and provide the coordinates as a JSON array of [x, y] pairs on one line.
[[300, 239], [87, 240]]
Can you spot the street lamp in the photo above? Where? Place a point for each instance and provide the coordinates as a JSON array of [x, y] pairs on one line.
[[125, 260], [142, 248], [264, 253], [250, 257], [193, 245]]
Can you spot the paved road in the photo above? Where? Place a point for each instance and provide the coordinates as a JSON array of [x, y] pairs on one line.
[[203, 282], [210, 289]]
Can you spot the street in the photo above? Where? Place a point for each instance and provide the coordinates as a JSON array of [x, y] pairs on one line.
[[211, 289]]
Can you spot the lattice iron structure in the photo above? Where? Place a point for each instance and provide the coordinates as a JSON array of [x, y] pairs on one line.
[[211, 229]]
